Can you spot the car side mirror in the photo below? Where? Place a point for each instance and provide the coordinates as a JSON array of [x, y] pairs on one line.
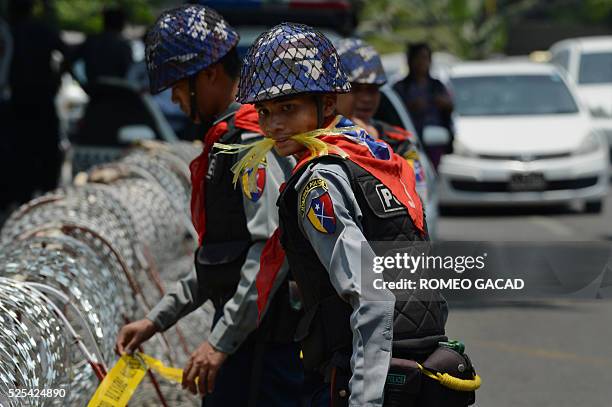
[[132, 134], [434, 136]]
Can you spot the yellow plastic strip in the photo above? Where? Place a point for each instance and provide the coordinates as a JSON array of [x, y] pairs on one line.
[[169, 373], [121, 382], [451, 382]]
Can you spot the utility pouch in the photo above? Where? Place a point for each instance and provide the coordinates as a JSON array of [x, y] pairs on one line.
[[449, 379], [403, 383]]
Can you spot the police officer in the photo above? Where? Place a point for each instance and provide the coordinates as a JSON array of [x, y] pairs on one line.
[[193, 50], [346, 189], [366, 74]]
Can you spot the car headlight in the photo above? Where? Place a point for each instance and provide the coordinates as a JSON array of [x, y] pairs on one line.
[[460, 149], [590, 144]]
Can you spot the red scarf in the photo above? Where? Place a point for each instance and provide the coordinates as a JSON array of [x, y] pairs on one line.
[[394, 173], [245, 118]]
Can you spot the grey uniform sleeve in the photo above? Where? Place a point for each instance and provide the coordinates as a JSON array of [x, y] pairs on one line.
[[183, 299], [239, 317], [341, 254]]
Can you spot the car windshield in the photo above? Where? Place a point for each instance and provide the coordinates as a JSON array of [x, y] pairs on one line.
[[595, 68], [508, 95]]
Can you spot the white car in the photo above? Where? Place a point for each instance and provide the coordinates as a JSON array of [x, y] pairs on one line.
[[521, 137], [588, 63]]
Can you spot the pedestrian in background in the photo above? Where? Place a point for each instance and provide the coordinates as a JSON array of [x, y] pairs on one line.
[[34, 81], [427, 99], [106, 54]]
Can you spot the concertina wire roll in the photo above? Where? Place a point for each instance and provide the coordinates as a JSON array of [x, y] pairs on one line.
[[79, 262]]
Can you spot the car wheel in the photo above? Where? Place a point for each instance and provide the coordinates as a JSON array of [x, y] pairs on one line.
[[593, 206]]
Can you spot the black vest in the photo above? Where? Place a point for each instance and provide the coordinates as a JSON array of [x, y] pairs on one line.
[[223, 251], [324, 330], [226, 243]]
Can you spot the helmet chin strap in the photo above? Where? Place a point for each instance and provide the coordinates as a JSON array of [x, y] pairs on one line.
[[194, 111], [320, 118]]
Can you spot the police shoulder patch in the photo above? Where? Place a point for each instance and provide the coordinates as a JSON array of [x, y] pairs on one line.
[[311, 186], [320, 211], [253, 194]]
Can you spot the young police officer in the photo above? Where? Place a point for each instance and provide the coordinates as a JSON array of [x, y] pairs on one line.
[[346, 189], [366, 74], [193, 50]]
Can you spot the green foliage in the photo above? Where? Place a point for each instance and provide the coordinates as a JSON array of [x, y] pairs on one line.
[[467, 28], [86, 15], [79, 15], [586, 11]]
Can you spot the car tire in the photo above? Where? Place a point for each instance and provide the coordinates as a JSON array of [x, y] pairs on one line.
[[593, 206]]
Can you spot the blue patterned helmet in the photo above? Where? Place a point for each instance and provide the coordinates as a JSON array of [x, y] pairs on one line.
[[184, 41], [361, 62], [290, 59]]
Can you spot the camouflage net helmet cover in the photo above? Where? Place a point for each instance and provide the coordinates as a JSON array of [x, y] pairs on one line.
[[184, 41], [290, 59], [361, 62]]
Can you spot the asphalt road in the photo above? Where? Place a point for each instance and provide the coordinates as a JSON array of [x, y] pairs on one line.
[[536, 354]]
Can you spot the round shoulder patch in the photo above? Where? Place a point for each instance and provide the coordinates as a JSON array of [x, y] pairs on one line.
[[260, 183], [320, 210], [414, 159]]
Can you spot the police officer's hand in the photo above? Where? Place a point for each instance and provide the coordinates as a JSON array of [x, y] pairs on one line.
[[203, 364], [133, 334]]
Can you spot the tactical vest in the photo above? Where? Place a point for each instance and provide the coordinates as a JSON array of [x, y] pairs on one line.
[[220, 258], [325, 330]]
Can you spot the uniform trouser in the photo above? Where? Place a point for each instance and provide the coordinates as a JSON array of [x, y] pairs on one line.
[[316, 392], [278, 380]]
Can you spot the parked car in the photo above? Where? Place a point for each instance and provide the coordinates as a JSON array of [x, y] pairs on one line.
[[588, 63], [103, 119], [522, 137]]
